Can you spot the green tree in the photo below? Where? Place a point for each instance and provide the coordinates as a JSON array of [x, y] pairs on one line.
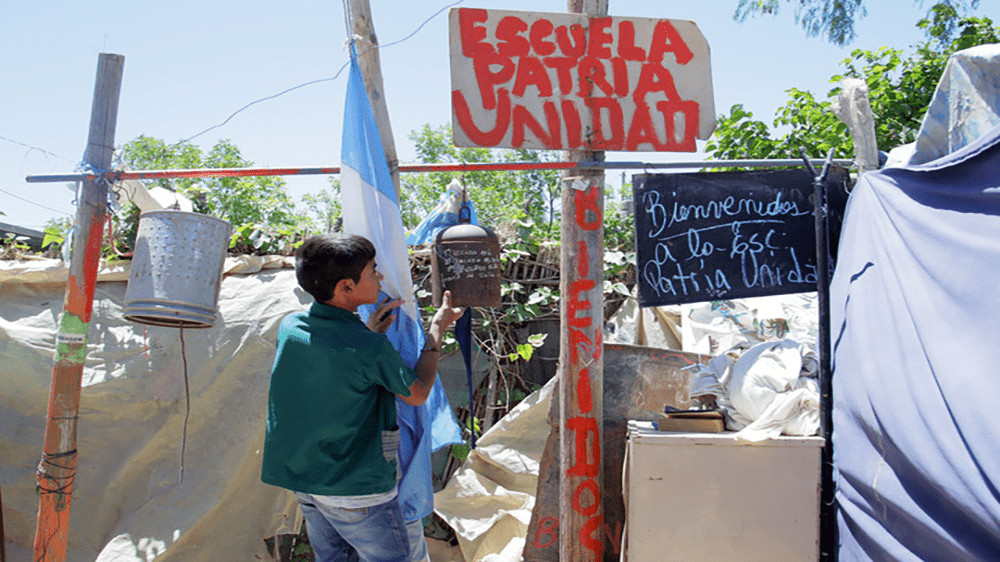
[[239, 200], [834, 19], [323, 208], [260, 210], [525, 201], [900, 89]]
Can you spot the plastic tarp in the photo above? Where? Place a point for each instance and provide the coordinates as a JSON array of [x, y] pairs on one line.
[[965, 106], [765, 391], [489, 499], [713, 327], [763, 370], [444, 214], [915, 317], [128, 501]]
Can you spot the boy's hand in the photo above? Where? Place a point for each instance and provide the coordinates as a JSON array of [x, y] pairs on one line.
[[447, 314], [443, 319], [380, 320]]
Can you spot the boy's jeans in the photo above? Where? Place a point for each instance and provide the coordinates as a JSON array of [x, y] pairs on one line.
[[418, 543], [348, 534]]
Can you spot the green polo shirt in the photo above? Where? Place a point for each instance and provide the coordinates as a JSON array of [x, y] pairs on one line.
[[332, 395]]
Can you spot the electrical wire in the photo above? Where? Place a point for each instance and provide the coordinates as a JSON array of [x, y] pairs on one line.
[[45, 152], [16, 196], [39, 149], [320, 80], [421, 26], [255, 102]]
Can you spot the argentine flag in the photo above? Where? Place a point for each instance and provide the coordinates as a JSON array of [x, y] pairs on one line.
[[370, 209]]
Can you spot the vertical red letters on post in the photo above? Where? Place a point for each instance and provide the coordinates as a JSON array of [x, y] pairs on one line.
[[588, 210], [586, 447]]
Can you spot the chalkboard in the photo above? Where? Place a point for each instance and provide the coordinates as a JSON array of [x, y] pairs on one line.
[[713, 236], [466, 261]]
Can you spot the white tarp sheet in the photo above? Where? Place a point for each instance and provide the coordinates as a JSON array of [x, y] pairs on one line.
[[713, 327], [488, 501], [965, 106], [490, 498], [914, 321], [127, 501]]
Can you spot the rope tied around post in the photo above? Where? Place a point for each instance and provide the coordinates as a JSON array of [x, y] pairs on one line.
[[49, 483]]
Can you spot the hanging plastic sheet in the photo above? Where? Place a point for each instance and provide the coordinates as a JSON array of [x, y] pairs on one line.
[[965, 106], [127, 501], [443, 215], [914, 308]]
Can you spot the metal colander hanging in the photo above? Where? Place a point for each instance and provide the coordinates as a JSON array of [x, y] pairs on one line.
[[176, 269]]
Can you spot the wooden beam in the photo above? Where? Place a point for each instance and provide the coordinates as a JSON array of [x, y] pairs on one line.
[[371, 70], [57, 468], [581, 376]]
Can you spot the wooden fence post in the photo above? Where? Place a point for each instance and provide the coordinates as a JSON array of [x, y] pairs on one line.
[[371, 70], [57, 468], [581, 376]]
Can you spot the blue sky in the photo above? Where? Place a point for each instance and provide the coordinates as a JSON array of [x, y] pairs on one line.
[[190, 64]]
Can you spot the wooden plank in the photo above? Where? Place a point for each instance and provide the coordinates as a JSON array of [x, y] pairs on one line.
[[578, 81]]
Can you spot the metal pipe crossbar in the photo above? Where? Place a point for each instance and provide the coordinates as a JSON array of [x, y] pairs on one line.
[[410, 168]]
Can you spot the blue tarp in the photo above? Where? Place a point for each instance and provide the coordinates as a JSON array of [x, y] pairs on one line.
[[445, 214], [915, 325]]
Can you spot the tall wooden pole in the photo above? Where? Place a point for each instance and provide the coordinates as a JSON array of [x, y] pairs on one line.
[[57, 468], [581, 362], [3, 538], [371, 70]]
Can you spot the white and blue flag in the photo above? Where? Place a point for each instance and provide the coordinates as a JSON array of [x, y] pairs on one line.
[[370, 209]]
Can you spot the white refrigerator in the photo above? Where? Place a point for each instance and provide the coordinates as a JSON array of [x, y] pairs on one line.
[[707, 496]]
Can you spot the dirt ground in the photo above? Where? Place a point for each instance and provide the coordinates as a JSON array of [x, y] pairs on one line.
[[442, 551]]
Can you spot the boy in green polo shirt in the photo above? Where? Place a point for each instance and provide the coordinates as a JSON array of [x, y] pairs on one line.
[[331, 420]]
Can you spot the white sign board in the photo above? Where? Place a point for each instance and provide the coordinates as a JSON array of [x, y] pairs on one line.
[[573, 82]]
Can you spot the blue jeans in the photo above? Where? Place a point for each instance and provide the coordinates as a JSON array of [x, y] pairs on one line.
[[376, 533], [418, 543]]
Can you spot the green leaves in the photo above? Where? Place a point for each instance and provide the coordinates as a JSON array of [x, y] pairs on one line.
[[833, 19], [526, 350], [899, 88], [259, 208], [522, 202], [12, 246], [460, 451], [55, 232], [738, 135], [836, 19], [521, 306]]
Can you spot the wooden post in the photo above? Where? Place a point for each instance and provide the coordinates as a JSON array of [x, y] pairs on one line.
[[371, 70], [57, 468], [3, 538], [581, 377]]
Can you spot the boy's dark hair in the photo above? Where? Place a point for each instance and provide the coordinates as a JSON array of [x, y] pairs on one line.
[[322, 261]]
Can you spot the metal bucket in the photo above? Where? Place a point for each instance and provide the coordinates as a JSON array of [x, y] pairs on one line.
[[176, 269]]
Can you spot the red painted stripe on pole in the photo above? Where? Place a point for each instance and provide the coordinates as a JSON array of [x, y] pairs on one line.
[[504, 166], [250, 172], [220, 173], [472, 167]]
